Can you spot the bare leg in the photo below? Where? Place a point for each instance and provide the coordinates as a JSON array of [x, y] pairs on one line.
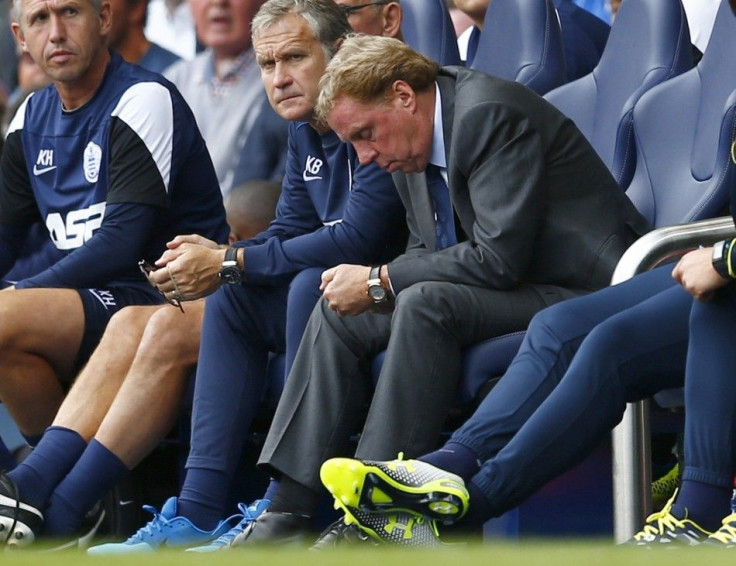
[[40, 334], [149, 400], [97, 385]]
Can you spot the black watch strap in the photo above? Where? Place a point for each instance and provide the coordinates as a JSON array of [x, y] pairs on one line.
[[231, 254]]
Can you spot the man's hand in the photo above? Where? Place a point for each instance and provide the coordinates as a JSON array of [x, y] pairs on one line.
[[189, 239], [696, 274], [345, 288], [189, 269]]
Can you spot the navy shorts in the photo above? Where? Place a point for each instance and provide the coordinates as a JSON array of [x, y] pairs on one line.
[[99, 306]]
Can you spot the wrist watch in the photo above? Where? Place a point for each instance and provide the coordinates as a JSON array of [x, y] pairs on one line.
[[375, 289], [720, 259], [230, 272]]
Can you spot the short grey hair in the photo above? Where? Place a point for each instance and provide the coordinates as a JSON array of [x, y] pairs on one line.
[[326, 19]]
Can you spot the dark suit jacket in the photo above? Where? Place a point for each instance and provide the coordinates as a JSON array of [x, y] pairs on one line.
[[533, 201]]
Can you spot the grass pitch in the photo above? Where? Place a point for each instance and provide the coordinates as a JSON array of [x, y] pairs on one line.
[[563, 552]]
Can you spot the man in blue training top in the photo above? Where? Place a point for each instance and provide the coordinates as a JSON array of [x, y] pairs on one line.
[[109, 158], [331, 209]]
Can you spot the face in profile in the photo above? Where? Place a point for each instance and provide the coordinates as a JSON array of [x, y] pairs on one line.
[[292, 61]]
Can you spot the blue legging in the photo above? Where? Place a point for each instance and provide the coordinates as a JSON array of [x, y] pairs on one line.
[[580, 363], [710, 391]]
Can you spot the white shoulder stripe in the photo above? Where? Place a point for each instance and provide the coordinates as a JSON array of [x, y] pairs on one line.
[[19, 119], [148, 110]]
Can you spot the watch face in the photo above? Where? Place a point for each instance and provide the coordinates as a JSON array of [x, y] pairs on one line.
[[377, 293], [231, 275]]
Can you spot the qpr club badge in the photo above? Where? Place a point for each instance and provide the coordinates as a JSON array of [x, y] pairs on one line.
[[92, 162]]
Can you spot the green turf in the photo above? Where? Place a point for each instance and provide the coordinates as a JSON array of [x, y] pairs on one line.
[[563, 552]]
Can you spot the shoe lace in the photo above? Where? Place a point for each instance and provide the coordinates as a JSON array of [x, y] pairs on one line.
[[250, 514], [727, 533], [658, 522], [155, 525]]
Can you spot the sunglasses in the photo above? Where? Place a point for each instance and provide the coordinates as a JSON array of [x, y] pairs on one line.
[[146, 269], [350, 9]]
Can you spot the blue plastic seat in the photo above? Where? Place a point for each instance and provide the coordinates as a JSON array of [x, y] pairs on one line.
[[584, 38], [522, 41], [648, 44], [427, 27]]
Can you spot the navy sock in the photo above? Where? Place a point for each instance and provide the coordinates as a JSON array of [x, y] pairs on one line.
[[478, 513], [454, 458], [273, 487], [293, 497], [203, 497], [703, 503], [96, 472], [7, 462], [38, 475]]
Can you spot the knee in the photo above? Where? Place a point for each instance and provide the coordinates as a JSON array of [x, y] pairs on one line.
[[131, 318], [562, 323], [174, 336], [426, 296], [613, 338]]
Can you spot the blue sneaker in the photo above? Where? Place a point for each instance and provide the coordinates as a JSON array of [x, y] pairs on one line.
[[250, 514], [165, 529]]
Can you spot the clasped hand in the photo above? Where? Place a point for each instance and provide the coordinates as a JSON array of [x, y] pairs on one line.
[[189, 269], [345, 288]]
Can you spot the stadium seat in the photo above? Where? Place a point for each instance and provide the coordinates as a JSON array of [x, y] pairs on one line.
[[648, 44], [427, 27], [584, 38], [522, 41]]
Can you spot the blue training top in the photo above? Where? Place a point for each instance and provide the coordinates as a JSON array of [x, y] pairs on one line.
[[113, 180], [332, 210]]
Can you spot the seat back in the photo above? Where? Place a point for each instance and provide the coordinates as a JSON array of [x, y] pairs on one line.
[[584, 38], [683, 132], [648, 44], [427, 27], [522, 41]]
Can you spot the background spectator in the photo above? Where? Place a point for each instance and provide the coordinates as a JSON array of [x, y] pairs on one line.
[[170, 25], [245, 137], [250, 208], [128, 39]]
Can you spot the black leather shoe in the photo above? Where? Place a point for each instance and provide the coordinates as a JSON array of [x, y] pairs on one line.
[[276, 529], [340, 534]]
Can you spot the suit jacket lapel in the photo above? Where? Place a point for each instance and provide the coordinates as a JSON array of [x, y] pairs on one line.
[[446, 84]]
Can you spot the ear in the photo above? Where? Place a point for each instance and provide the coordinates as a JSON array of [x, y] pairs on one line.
[[392, 17], [404, 96], [19, 37], [105, 17]]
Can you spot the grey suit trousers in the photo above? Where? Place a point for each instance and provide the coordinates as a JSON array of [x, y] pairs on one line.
[[330, 382]]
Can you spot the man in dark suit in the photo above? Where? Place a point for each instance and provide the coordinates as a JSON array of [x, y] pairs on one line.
[[532, 216]]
